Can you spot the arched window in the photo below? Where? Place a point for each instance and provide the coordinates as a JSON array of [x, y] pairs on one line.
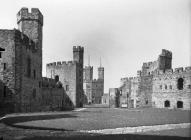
[[180, 83], [179, 104], [56, 78], [167, 103]]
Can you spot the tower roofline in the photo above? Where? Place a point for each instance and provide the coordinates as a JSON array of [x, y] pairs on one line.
[[35, 14]]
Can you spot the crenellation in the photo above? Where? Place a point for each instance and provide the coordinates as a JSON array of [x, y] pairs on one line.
[[62, 64], [35, 14], [88, 67], [78, 48], [166, 53], [59, 63]]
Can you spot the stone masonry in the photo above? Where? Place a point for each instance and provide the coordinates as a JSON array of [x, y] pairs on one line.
[[70, 75], [22, 87], [157, 85], [93, 88]]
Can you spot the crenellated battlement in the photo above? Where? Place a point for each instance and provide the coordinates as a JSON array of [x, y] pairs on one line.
[[78, 49], [166, 53], [147, 64], [59, 63], [179, 70], [88, 67], [35, 14]]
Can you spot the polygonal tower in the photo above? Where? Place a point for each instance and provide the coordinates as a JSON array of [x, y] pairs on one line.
[[78, 56], [165, 60], [101, 73], [30, 24], [88, 73]]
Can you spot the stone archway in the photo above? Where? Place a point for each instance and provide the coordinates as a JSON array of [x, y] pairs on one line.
[[167, 103], [179, 104]]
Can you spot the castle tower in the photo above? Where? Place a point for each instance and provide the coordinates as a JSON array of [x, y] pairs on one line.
[[88, 73], [101, 71], [78, 56], [165, 60], [30, 24]]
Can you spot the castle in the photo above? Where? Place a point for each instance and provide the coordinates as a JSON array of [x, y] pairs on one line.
[[157, 85], [22, 87], [70, 74], [93, 88]]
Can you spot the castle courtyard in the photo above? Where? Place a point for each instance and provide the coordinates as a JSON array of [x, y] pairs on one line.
[[94, 123]]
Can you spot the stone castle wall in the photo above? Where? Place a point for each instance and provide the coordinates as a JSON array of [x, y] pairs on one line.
[[165, 88], [67, 75], [157, 85], [22, 88], [70, 74]]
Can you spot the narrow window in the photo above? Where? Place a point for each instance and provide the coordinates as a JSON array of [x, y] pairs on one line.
[[4, 91], [165, 86], [67, 87], [34, 74], [170, 86], [28, 67], [180, 83], [4, 66], [160, 86], [0, 55], [39, 84], [189, 86]]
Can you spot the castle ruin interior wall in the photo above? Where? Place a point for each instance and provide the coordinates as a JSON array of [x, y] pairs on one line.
[[67, 76], [166, 93]]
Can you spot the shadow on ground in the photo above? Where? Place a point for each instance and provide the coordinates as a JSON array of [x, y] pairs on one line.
[[11, 121], [111, 137]]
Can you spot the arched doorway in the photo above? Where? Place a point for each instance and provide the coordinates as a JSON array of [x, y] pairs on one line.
[[180, 83], [179, 104], [167, 103]]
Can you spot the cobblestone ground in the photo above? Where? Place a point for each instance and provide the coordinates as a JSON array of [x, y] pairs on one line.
[[66, 125]]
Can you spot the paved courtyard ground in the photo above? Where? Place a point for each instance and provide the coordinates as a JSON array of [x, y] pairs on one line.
[[74, 124]]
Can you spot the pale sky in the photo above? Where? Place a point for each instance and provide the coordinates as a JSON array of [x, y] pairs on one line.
[[124, 33]]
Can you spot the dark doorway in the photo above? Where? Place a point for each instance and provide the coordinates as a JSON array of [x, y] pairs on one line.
[[180, 83], [167, 103], [179, 104]]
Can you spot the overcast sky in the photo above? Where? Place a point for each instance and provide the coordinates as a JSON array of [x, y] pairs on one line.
[[124, 33]]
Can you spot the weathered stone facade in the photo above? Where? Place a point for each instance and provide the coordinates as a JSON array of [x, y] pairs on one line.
[[21, 65], [172, 88], [93, 88], [70, 74], [22, 88], [157, 85]]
